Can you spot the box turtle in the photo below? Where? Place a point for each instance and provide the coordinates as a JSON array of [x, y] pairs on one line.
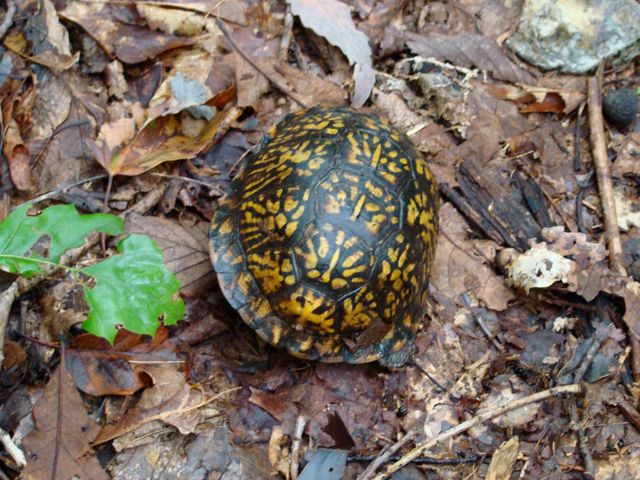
[[324, 242]]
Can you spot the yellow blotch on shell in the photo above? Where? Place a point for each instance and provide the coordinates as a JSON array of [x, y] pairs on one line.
[[290, 228]]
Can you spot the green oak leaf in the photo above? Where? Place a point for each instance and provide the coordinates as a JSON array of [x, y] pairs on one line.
[[62, 224], [133, 290]]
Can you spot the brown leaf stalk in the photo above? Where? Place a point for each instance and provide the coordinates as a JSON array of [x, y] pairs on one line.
[[603, 173]]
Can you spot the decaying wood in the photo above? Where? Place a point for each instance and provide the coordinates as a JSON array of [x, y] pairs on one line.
[[494, 207]]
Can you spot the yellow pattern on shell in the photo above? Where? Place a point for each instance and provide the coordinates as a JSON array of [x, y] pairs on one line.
[[325, 240]]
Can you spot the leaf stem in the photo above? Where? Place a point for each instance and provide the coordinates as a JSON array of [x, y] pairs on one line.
[[39, 260]]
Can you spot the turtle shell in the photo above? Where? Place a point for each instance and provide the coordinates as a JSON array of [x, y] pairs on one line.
[[324, 242]]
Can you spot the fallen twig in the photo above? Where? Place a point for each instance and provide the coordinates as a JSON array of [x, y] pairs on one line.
[[274, 82], [583, 444], [8, 18], [6, 300], [481, 417], [603, 173], [12, 449], [285, 40], [301, 422], [388, 452]]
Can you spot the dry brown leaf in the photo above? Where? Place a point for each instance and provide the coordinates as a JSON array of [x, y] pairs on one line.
[[57, 62], [172, 20], [629, 290], [311, 88], [503, 459], [532, 99], [186, 400], [332, 20], [197, 79], [18, 156], [458, 268], [469, 50], [57, 37], [576, 245], [505, 389], [278, 452], [233, 11], [161, 140], [252, 85], [51, 43], [130, 43], [627, 160], [469, 385], [117, 133], [186, 250], [63, 433], [274, 403]]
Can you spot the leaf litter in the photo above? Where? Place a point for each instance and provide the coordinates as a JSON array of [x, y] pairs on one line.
[[522, 297]]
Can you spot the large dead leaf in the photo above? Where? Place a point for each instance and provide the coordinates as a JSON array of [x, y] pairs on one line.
[[186, 250], [129, 42], [185, 400], [161, 140], [332, 20], [469, 50], [459, 266], [99, 368], [63, 433]]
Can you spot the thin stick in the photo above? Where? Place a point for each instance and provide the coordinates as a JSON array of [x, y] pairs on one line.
[[387, 453], [6, 300], [8, 18], [301, 422], [63, 188], [482, 417], [603, 173], [413, 362], [251, 62], [285, 40], [12, 449]]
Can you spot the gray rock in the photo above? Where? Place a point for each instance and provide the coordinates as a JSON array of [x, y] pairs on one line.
[[573, 36]]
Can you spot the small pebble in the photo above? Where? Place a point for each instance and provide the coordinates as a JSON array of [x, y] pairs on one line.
[[620, 107]]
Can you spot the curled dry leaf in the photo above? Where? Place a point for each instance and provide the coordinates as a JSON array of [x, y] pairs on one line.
[[162, 140], [469, 50], [56, 62], [503, 460], [536, 99], [18, 156], [332, 20], [278, 452], [539, 267], [547, 263]]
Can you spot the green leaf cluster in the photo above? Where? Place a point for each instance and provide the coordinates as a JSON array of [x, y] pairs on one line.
[[133, 289]]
